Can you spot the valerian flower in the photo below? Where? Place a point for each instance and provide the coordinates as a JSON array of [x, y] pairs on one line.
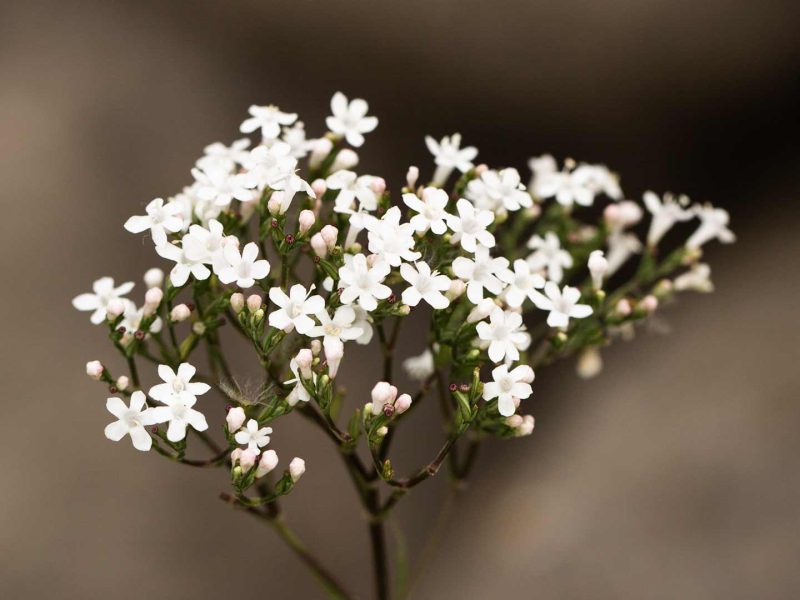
[[521, 281], [221, 187], [505, 189], [448, 155], [425, 285], [548, 255], [294, 309], [177, 387], [160, 219], [268, 119], [352, 187], [253, 436], [480, 273], [363, 283], [339, 327], [268, 165], [245, 268], [350, 119], [621, 246], [509, 387], [131, 420], [713, 225], [430, 209], [203, 244], [103, 292], [220, 156], [562, 304], [179, 413], [665, 213], [392, 241], [504, 335], [470, 226], [697, 279], [184, 266]]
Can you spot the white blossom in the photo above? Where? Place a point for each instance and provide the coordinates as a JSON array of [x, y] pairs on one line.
[[203, 244], [267, 166], [299, 393], [420, 367], [295, 136], [160, 219], [521, 282], [448, 155], [480, 272], [549, 255], [567, 187], [268, 119], [253, 436], [221, 187], [621, 246], [363, 283], [103, 292], [599, 179], [392, 241], [469, 226], [364, 323], [713, 225], [430, 209], [504, 335], [177, 387], [425, 285], [352, 187], [244, 268], [350, 119], [184, 266], [295, 308], [339, 327], [697, 279], [131, 420], [509, 387], [220, 156], [562, 304], [505, 189], [665, 213]]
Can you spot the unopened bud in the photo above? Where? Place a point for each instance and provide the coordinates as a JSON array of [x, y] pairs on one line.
[[403, 310], [318, 245], [296, 468], [122, 383], [457, 288], [269, 460], [94, 369], [304, 360], [320, 187], [382, 431], [153, 277], [623, 308], [330, 234], [590, 363], [305, 221], [114, 308], [598, 267], [346, 159], [378, 185], [237, 302], [481, 169], [316, 346], [253, 302], [334, 351], [274, 203], [402, 404], [179, 313], [152, 299], [319, 152], [199, 328], [412, 175], [235, 419], [514, 421], [649, 303], [247, 459]]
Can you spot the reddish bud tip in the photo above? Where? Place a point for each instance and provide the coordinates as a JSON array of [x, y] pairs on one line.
[[392, 299]]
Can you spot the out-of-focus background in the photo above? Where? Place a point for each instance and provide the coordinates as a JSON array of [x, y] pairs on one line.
[[673, 475]]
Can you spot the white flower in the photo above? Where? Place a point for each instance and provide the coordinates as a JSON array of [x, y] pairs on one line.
[[390, 240], [103, 292], [352, 187], [180, 414], [521, 282], [296, 468], [713, 224], [431, 213], [509, 387], [201, 244], [504, 335], [221, 187], [177, 387], [267, 166], [363, 283], [287, 188], [449, 155], [568, 188], [480, 273], [160, 219], [549, 255], [132, 321], [469, 227], [340, 327], [252, 436], [364, 324], [131, 420], [599, 179], [268, 119], [620, 248], [425, 285], [505, 189], [220, 156], [295, 308], [419, 367], [562, 304], [183, 265], [242, 268], [665, 213], [334, 352], [299, 393], [697, 279], [295, 136], [350, 119]]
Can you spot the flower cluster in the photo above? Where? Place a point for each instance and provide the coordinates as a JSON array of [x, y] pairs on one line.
[[282, 240]]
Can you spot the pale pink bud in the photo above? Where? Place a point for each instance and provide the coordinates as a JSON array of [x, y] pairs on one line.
[[598, 267], [304, 360], [527, 374], [274, 203], [316, 347], [330, 234], [412, 176], [269, 460], [481, 169], [318, 245], [180, 313], [378, 185], [514, 421], [296, 468], [253, 302], [457, 288], [402, 404], [482, 310], [527, 426], [320, 187], [115, 307], [236, 454], [611, 215], [237, 302], [154, 277], [334, 351], [649, 303], [322, 147], [235, 418], [94, 369], [383, 393], [630, 213], [346, 159], [305, 221], [152, 298], [623, 307], [247, 459], [122, 382]]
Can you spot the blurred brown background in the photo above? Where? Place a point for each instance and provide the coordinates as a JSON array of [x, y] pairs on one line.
[[674, 475]]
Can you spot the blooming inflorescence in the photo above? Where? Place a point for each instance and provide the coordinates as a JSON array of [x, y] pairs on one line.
[[511, 278]]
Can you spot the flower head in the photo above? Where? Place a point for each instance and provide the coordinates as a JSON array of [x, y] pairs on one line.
[[244, 268], [504, 335], [521, 281], [253, 436], [350, 119], [425, 285], [713, 225], [131, 420], [268, 119], [480, 272], [448, 155], [469, 226], [294, 308], [562, 304], [103, 292], [184, 266], [547, 254], [390, 240], [363, 283], [509, 387], [339, 327], [430, 209], [177, 387], [665, 214], [160, 219]]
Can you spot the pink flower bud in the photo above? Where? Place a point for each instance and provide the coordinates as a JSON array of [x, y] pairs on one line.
[[304, 360], [236, 454], [330, 234], [152, 298], [372, 259], [154, 277], [316, 346], [114, 308], [320, 187], [334, 351], [598, 267], [527, 426], [296, 468], [180, 313], [269, 460], [305, 221], [247, 459], [412, 176], [122, 383], [378, 185], [481, 169], [527, 374], [623, 307], [514, 421], [402, 404], [253, 302], [457, 288], [630, 213], [346, 159], [649, 303], [318, 245], [235, 419], [274, 203], [237, 302], [94, 369], [382, 393], [611, 215]]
